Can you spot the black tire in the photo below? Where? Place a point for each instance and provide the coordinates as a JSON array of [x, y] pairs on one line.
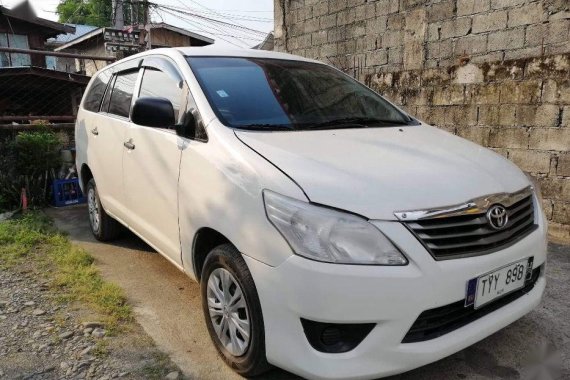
[[107, 228], [253, 362]]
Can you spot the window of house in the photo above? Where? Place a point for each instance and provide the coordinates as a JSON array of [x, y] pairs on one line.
[[122, 95], [155, 83], [18, 41]]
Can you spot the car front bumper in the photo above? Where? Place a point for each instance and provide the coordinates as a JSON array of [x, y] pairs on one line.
[[390, 297]]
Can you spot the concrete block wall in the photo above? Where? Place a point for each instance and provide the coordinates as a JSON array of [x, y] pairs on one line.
[[496, 72]]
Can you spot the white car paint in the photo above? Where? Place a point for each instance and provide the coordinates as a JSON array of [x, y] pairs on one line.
[[171, 187], [389, 168]]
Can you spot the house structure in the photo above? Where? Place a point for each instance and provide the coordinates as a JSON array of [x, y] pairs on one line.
[[130, 40], [267, 43], [29, 91], [62, 39], [20, 28]]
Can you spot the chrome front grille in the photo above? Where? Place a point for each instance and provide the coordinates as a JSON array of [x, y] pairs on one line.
[[466, 230]]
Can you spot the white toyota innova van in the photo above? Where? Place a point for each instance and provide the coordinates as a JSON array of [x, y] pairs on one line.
[[333, 235]]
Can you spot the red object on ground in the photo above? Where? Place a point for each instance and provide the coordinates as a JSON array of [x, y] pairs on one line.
[[24, 199]]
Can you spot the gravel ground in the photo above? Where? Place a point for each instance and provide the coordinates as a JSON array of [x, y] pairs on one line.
[[42, 337]]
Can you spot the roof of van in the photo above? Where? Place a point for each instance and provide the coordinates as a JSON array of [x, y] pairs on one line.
[[212, 51], [215, 51]]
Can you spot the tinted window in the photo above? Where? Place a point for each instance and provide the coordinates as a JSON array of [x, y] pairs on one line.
[[107, 97], [120, 103], [96, 91], [157, 84], [284, 94]]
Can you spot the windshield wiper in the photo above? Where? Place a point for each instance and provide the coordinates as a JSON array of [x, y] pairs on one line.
[[264, 127], [352, 122]]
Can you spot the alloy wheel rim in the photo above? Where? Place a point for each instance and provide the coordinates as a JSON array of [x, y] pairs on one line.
[[228, 311], [93, 207]]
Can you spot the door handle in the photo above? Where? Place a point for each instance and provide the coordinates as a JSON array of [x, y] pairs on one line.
[[95, 131], [129, 144]]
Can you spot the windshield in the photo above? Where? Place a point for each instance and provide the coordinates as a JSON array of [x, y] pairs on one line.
[[274, 94]]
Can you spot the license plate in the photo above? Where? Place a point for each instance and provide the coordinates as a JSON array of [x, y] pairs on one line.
[[495, 284]]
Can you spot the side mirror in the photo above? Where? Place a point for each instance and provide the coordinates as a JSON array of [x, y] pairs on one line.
[[153, 112]]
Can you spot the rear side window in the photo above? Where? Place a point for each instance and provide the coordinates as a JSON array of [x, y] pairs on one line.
[[158, 84], [107, 98], [120, 103], [96, 91]]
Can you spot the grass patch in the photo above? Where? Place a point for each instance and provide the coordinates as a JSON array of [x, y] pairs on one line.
[[18, 237], [32, 236]]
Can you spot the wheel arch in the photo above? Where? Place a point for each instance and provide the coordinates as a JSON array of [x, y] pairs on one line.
[[85, 175], [205, 240]]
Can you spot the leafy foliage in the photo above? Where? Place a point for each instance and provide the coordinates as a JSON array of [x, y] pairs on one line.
[[86, 12], [37, 151], [27, 162], [95, 12]]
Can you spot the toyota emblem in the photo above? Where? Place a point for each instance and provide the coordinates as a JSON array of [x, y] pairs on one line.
[[497, 217]]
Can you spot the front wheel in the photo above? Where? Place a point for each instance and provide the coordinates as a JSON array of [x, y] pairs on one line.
[[233, 312], [103, 227]]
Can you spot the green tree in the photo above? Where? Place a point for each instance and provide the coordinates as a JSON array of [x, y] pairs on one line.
[[98, 12], [87, 12]]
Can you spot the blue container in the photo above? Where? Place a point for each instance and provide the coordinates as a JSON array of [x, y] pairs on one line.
[[66, 192]]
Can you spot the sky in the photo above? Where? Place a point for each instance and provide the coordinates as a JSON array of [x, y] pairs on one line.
[[241, 12]]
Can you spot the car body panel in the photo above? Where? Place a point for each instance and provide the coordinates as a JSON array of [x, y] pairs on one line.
[[150, 173], [97, 133], [391, 297], [221, 186], [375, 172]]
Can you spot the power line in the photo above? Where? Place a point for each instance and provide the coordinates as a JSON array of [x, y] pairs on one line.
[[227, 15], [243, 11], [215, 12], [205, 7], [224, 29], [193, 24], [232, 25]]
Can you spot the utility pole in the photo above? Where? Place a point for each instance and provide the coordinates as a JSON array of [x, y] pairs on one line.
[[134, 7], [118, 15], [146, 21]]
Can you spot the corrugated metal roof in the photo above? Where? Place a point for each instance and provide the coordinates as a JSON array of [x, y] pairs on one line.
[[80, 30]]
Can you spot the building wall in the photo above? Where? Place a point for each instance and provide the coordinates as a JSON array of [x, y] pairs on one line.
[[494, 71], [36, 36], [165, 37]]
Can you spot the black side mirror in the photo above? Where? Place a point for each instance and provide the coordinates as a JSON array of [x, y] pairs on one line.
[[153, 112]]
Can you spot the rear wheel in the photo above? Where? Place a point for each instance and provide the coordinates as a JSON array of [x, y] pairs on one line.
[[103, 227], [233, 312]]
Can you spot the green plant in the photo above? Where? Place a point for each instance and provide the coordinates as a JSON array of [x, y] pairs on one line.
[[28, 162], [36, 152], [32, 236], [9, 190]]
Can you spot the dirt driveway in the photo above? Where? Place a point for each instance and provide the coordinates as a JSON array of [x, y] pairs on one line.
[[167, 305]]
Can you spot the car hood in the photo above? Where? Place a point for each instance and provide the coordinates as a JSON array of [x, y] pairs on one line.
[[377, 171]]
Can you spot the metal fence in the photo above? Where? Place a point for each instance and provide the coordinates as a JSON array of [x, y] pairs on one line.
[[45, 92]]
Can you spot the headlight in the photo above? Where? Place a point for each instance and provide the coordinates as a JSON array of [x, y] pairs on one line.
[[323, 234]]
